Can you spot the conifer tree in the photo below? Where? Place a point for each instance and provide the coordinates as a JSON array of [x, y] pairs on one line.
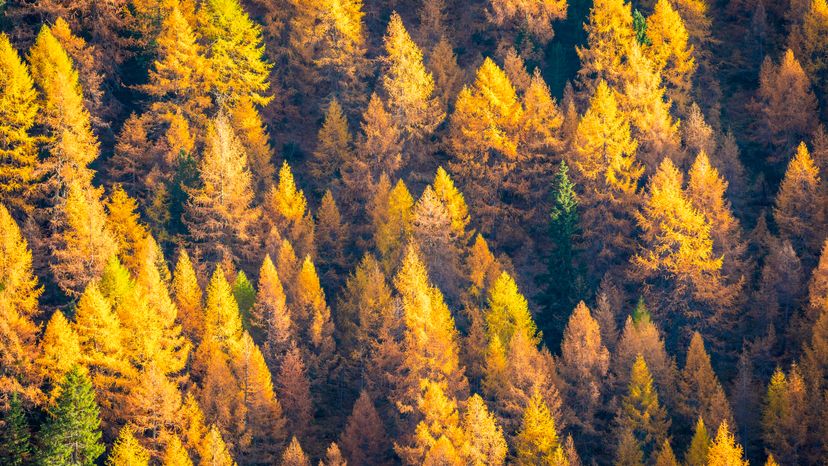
[[432, 230], [534, 18], [604, 166], [448, 75], [235, 52], [629, 451], [214, 451], [219, 211], [482, 268], [72, 435], [784, 417], [609, 35], [83, 240], [438, 437], [331, 236], [71, 143], [314, 319], [407, 85], [270, 316], [294, 392], [58, 351], [702, 396], [538, 442], [244, 293], [222, 321], [561, 277], [508, 312], [286, 209], [811, 47], [364, 440], [174, 453], [19, 295], [294, 455], [699, 446], [188, 296], [641, 412], [127, 231], [788, 106], [179, 77], [15, 435], [724, 450], [127, 451], [670, 52], [253, 135], [333, 146], [484, 442], [379, 143], [797, 211], [584, 362], [18, 110], [393, 224]]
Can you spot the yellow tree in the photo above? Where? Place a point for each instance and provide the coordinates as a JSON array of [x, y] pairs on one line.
[[127, 451], [641, 413], [253, 135], [677, 250], [379, 144], [313, 316], [270, 315], [438, 434], [811, 47], [671, 53], [213, 450], [609, 36], [18, 310], [407, 84], [18, 109], [222, 320], [392, 220], [71, 143], [724, 451], [701, 394], [235, 52], [188, 297], [287, 212], [484, 442], [174, 452], [797, 209], [537, 443], [219, 212], [58, 352], [333, 146], [604, 166], [533, 17], [127, 231], [83, 242]]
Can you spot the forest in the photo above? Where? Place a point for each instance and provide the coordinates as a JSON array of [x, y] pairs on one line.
[[413, 232]]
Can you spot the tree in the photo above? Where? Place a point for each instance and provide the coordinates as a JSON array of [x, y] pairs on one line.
[[448, 75], [71, 143], [15, 434], [629, 451], [72, 435], [702, 396], [379, 144], [533, 17], [641, 412], [437, 241], [219, 212], [677, 249], [392, 224], [294, 392], [213, 450], [724, 451], [697, 452], [83, 241], [508, 312], [127, 231], [407, 85], [293, 455], [286, 210], [188, 297], [19, 293], [810, 49], [364, 440], [333, 147], [583, 363], [18, 110], [671, 54], [562, 275], [331, 235], [270, 315], [797, 211], [785, 417], [313, 316], [438, 437], [609, 36], [484, 442], [666, 457], [222, 321], [174, 453], [605, 168], [537, 442], [787, 106], [180, 76], [244, 293], [58, 352], [127, 451], [235, 52], [252, 132]]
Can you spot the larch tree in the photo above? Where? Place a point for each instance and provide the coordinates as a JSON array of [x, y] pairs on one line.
[[665, 456], [701, 394], [333, 146], [127, 451], [605, 168], [437, 241], [392, 220], [609, 36], [294, 391], [235, 52], [313, 318], [787, 106], [332, 239], [270, 317], [677, 249], [537, 442], [724, 450], [699, 446], [244, 293], [641, 411], [286, 211], [72, 436], [188, 296], [811, 48], [628, 452], [584, 362], [797, 210], [484, 442], [19, 293], [364, 439], [58, 352], [438, 437], [785, 416], [252, 132], [175, 454], [407, 85], [213, 450], [127, 230], [294, 455], [67, 124], [219, 212], [379, 145], [222, 319], [83, 242], [448, 75], [534, 18], [18, 111], [671, 53]]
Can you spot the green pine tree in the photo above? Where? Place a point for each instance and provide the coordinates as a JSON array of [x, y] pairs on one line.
[[245, 294], [72, 434], [640, 27], [15, 445], [562, 281]]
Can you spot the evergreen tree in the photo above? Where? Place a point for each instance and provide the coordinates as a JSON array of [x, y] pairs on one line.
[[15, 436], [72, 435], [244, 293], [641, 412]]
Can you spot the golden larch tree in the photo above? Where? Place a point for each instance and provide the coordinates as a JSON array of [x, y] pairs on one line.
[[671, 53], [797, 209]]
